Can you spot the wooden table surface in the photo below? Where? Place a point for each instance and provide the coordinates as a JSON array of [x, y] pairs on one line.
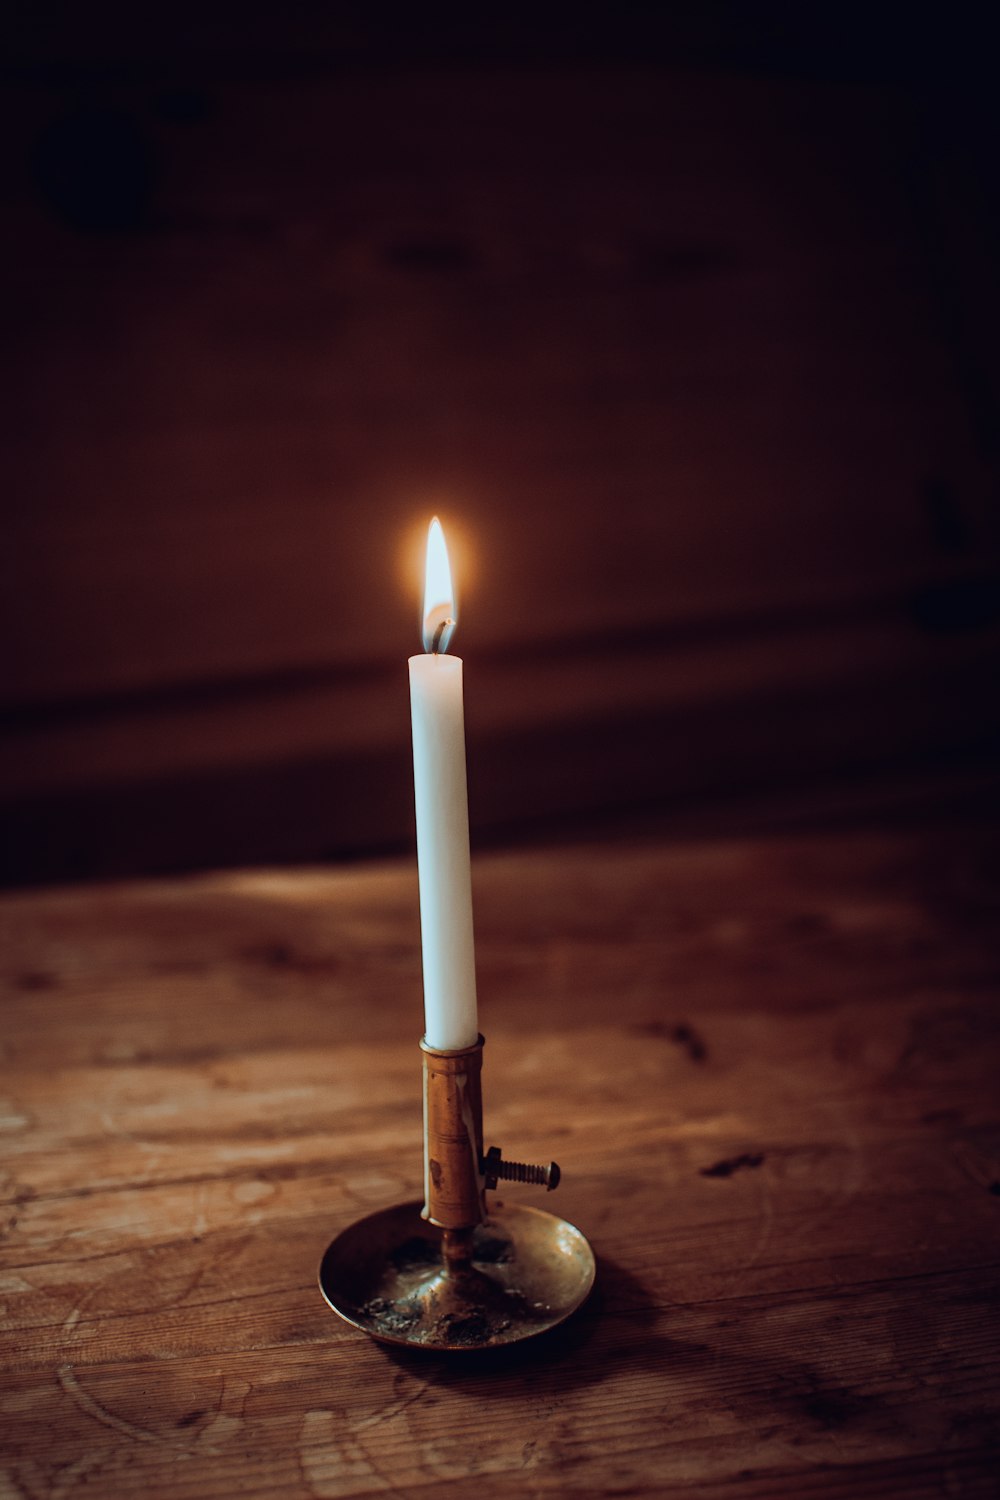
[[768, 1069]]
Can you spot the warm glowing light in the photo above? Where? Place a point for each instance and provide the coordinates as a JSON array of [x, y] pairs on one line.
[[440, 613]]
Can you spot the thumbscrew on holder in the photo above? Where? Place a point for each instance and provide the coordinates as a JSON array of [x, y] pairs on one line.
[[495, 1169]]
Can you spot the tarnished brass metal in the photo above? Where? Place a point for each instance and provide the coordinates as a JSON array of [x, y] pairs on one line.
[[453, 1136], [518, 1273], [454, 1273]]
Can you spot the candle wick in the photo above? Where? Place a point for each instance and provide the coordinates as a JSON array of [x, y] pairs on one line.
[[436, 642]]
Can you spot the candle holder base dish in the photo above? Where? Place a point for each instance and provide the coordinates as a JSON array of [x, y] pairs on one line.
[[404, 1280]]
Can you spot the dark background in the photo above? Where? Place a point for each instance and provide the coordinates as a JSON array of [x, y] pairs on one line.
[[684, 319]]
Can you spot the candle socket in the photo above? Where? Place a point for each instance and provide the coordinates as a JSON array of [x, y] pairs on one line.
[[454, 1185], [458, 1271]]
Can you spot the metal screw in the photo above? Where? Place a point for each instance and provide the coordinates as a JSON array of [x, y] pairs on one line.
[[495, 1170]]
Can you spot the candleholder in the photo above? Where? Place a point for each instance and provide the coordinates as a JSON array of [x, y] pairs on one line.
[[457, 1272]]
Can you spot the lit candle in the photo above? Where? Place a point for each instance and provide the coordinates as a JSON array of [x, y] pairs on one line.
[[442, 805]]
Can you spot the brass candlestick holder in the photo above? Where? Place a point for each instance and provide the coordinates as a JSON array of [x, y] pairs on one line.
[[457, 1272]]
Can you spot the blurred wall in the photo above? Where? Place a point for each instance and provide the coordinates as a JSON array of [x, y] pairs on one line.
[[689, 340]]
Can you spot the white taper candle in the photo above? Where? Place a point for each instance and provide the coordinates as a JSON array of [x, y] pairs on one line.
[[442, 808]]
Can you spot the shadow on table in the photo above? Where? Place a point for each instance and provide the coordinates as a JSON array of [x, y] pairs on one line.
[[622, 1331]]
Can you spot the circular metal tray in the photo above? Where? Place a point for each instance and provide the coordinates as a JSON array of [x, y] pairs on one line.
[[386, 1275]]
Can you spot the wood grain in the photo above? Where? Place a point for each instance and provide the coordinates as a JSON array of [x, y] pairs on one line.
[[768, 1069]]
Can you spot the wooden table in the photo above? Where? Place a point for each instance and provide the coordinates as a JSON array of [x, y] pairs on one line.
[[768, 1069]]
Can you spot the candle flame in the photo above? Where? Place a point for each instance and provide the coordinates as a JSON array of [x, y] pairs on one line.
[[439, 595]]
